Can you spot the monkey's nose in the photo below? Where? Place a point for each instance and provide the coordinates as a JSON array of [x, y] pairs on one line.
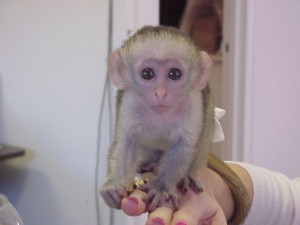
[[161, 93]]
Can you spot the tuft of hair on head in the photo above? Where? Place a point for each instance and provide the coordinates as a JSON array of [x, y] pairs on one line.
[[160, 38]]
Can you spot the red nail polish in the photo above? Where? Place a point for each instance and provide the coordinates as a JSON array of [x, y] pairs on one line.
[[181, 223], [157, 221], [133, 200]]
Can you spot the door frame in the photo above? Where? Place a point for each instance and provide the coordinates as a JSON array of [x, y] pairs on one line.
[[237, 77]]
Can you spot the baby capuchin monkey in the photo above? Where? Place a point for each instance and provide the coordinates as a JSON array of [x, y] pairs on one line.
[[165, 115]]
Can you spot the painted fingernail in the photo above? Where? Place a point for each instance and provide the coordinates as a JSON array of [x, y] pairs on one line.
[[157, 221], [133, 200], [181, 223]]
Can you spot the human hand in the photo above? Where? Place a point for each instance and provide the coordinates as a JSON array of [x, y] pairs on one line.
[[202, 209], [206, 208]]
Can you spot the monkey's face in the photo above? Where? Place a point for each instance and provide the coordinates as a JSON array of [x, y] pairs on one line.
[[160, 84], [159, 68]]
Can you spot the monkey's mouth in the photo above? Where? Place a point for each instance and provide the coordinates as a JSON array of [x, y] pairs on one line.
[[160, 108]]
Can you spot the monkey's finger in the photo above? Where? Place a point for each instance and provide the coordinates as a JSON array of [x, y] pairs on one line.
[[134, 205]]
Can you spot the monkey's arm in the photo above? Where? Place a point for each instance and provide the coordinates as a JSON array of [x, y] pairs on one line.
[[173, 167], [122, 166]]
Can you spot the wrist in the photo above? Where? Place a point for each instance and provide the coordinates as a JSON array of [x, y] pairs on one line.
[[242, 173], [217, 187]]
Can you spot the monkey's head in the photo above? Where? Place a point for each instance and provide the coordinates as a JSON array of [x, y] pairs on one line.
[[159, 66]]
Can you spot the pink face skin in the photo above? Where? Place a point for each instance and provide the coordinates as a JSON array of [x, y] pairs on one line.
[[161, 84]]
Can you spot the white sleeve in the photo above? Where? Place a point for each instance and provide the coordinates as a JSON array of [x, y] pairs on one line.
[[276, 198]]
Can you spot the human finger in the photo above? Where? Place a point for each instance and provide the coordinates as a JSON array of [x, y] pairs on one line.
[[160, 216], [199, 209], [133, 205]]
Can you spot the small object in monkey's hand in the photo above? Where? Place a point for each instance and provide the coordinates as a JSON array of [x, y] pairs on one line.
[[139, 181]]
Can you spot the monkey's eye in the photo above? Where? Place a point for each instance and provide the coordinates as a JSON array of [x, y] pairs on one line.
[[174, 74], [147, 74]]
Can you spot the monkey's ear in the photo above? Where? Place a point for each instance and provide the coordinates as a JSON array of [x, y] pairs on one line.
[[116, 69], [205, 67]]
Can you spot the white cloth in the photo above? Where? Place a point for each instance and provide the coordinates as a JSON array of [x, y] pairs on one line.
[[218, 134], [276, 198]]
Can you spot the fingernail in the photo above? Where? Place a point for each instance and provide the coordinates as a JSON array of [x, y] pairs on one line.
[[157, 221], [181, 223], [133, 200]]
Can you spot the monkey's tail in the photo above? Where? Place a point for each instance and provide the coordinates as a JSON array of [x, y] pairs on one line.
[[237, 188]]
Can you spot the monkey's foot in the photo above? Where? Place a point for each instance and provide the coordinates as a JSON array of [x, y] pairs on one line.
[[189, 182], [113, 195], [157, 198]]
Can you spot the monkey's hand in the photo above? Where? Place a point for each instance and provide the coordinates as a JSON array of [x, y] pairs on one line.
[[189, 181], [156, 198], [113, 193]]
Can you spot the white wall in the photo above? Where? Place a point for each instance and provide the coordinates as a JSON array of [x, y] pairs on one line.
[[52, 70], [274, 98]]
